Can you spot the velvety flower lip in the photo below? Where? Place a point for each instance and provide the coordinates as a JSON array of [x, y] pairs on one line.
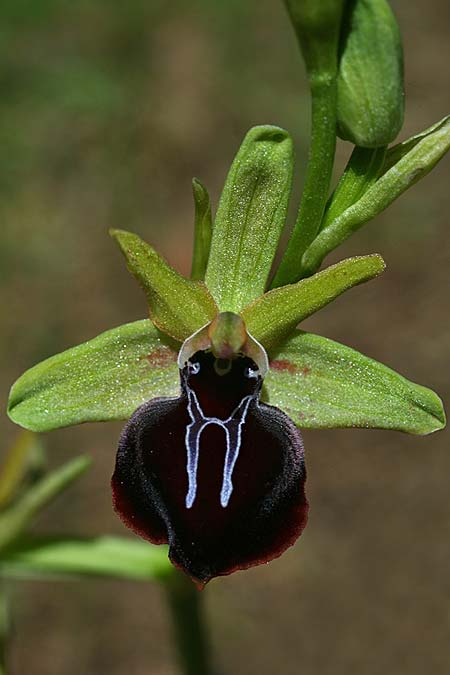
[[214, 473]]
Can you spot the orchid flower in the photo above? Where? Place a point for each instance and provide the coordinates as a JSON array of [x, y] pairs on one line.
[[216, 386]]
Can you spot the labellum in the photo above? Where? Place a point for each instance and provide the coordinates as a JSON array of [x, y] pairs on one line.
[[214, 473]]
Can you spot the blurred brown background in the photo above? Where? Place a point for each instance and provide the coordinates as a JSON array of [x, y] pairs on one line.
[[107, 109]]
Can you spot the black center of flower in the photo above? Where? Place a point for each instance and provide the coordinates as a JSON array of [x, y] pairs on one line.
[[205, 378], [220, 384]]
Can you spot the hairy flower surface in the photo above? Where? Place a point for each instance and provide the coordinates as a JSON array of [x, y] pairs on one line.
[[215, 473]]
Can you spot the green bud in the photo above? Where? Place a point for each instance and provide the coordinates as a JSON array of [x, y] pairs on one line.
[[317, 28], [370, 79], [405, 164]]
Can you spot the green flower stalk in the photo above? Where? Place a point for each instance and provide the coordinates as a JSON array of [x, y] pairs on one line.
[[317, 26]]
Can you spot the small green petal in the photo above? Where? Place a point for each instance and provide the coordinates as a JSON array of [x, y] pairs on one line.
[[203, 230], [75, 556], [228, 335], [420, 155], [323, 384], [370, 81], [104, 379], [250, 218], [272, 317], [178, 306], [18, 517]]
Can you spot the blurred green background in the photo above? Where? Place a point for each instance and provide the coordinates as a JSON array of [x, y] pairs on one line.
[[107, 109]]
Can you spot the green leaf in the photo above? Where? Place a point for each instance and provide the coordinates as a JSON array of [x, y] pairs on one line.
[[370, 79], [178, 306], [361, 172], [203, 230], [419, 158], [75, 556], [15, 467], [15, 519], [250, 218], [104, 379], [272, 317], [398, 151], [320, 383]]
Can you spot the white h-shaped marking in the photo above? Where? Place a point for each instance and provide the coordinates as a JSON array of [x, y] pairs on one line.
[[232, 427]]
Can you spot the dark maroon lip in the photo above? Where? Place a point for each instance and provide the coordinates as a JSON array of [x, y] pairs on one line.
[[215, 473]]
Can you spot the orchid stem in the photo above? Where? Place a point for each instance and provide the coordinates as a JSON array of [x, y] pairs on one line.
[[189, 629], [317, 181], [4, 626]]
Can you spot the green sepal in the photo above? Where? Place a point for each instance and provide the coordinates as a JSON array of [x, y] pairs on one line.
[[15, 519], [43, 557], [106, 378], [417, 156], [203, 230], [250, 218], [320, 384], [271, 318], [177, 306], [370, 79], [362, 170]]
